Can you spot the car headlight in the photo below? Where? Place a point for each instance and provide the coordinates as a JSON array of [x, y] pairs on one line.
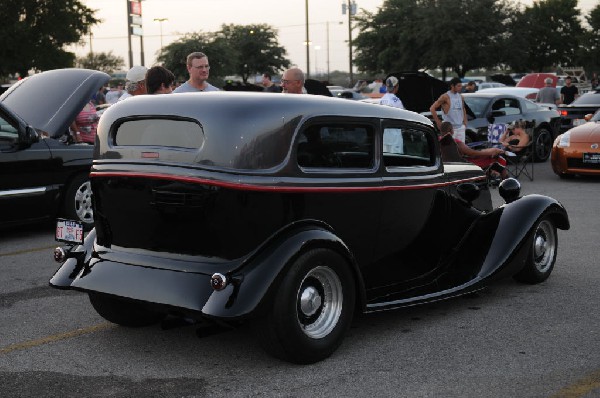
[[564, 140]]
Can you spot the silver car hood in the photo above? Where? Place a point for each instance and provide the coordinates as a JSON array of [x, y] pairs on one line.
[[50, 101]]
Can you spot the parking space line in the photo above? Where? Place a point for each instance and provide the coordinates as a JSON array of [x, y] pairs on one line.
[[37, 249], [55, 337], [581, 388]]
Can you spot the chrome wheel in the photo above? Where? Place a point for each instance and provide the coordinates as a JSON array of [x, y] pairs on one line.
[[83, 203], [319, 302], [544, 246]]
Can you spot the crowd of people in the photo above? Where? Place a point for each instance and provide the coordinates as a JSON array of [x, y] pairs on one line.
[[159, 80]]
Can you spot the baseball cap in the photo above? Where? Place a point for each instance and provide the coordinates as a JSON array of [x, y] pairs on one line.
[[391, 81], [136, 74]]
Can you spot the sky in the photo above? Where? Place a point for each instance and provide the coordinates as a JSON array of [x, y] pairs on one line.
[[328, 28]]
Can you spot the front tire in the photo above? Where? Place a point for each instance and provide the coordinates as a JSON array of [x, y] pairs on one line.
[[543, 144], [542, 253], [312, 309], [123, 312]]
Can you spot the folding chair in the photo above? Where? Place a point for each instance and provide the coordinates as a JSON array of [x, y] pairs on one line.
[[522, 162]]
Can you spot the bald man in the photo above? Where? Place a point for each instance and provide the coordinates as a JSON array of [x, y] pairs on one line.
[[292, 81]]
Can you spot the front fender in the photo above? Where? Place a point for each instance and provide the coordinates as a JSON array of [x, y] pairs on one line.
[[509, 248], [255, 283]]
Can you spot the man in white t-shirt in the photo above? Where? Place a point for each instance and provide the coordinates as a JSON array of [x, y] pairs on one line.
[[390, 98]]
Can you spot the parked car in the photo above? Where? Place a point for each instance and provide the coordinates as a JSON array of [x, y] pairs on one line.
[[573, 115], [42, 175], [526, 92], [505, 108], [577, 151], [347, 94], [292, 219], [485, 85]]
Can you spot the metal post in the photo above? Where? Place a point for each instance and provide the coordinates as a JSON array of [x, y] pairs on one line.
[[307, 43], [129, 36], [350, 41]]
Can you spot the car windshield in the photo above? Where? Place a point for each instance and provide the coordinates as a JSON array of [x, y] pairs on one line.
[[477, 104], [588, 99]]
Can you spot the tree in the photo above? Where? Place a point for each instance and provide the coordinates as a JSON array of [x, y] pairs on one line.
[[220, 55], [33, 33], [589, 47], [427, 34], [104, 62], [545, 35], [256, 49]]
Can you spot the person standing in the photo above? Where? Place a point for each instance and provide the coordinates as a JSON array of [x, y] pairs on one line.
[[568, 92], [268, 85], [453, 109], [548, 94], [159, 80], [471, 87], [113, 95], [292, 81], [390, 98], [135, 83], [198, 69]]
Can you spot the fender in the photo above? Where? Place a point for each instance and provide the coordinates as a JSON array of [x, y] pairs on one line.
[[76, 259], [256, 281], [509, 247]]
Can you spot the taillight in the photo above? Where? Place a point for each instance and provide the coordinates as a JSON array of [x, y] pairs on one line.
[[563, 113]]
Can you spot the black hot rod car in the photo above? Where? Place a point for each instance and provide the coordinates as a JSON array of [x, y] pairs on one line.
[[291, 212]]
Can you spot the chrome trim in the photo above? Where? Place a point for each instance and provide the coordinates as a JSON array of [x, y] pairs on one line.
[[23, 192]]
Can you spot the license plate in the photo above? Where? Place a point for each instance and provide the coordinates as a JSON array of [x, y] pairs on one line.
[[69, 231], [577, 122], [593, 158]]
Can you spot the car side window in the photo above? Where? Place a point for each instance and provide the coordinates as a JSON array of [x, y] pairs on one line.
[[336, 145], [406, 147], [509, 106], [8, 133]]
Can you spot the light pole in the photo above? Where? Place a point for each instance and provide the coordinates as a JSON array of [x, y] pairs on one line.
[[307, 42], [160, 21], [350, 6]]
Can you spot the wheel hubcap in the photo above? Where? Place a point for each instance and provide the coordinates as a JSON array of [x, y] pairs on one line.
[[319, 302], [544, 246], [83, 203]]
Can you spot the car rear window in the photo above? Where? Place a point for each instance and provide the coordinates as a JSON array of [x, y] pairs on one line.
[[160, 132]]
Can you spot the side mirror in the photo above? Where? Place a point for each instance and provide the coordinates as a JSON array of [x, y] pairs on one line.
[[28, 137]]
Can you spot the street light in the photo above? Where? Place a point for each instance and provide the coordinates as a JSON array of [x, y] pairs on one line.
[[160, 21], [307, 42], [350, 6]]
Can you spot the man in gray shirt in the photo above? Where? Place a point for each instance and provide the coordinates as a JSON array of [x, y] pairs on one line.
[[198, 68], [548, 94]]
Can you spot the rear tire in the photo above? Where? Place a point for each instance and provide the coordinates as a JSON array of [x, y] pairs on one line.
[[312, 309], [123, 312], [78, 200], [542, 253]]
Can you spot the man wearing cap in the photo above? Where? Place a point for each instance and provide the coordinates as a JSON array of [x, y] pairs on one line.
[[390, 98], [548, 94], [198, 69], [453, 109], [135, 82]]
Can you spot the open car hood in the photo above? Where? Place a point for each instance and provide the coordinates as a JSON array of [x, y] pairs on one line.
[[418, 90], [50, 101]]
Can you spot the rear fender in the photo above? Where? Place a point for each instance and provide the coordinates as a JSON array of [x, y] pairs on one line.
[[255, 283], [76, 258]]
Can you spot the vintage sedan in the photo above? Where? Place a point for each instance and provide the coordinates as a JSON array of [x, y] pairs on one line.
[[42, 174], [577, 151], [292, 213]]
